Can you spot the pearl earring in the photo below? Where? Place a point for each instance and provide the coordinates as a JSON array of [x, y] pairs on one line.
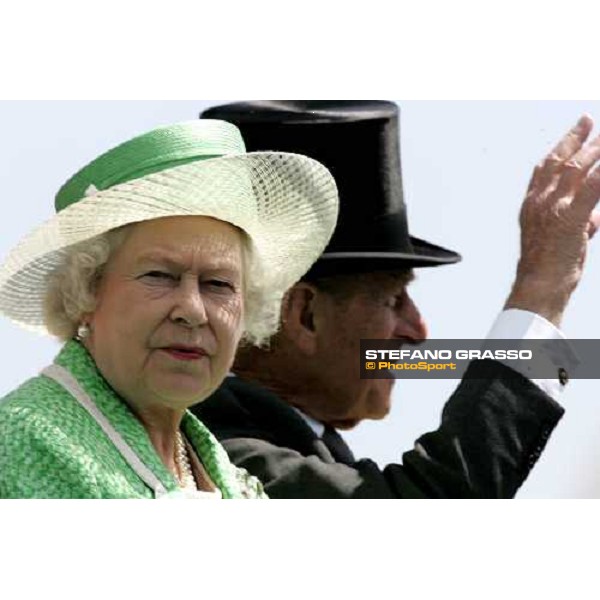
[[82, 332]]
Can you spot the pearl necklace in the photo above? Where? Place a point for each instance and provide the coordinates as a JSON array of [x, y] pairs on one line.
[[185, 475]]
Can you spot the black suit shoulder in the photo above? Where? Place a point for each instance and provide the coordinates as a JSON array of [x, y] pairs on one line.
[[492, 431], [240, 408]]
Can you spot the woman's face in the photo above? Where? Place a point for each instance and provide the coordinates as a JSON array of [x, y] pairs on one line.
[[169, 311]]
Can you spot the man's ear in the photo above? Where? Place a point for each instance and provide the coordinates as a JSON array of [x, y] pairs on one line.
[[298, 316]]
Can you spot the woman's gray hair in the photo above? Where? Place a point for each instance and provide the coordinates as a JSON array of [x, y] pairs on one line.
[[71, 289]]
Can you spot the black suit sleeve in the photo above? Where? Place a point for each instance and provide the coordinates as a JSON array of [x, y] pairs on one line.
[[492, 431]]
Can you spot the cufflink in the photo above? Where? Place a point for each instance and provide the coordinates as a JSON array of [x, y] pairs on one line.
[[563, 376]]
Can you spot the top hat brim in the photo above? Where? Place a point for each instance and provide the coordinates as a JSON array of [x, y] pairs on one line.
[[372, 231], [425, 254]]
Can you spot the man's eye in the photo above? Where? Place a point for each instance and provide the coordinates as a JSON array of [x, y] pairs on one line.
[[396, 302]]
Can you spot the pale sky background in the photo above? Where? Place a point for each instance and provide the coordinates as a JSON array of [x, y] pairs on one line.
[[465, 166]]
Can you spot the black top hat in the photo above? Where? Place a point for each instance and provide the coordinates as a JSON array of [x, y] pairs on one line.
[[358, 141]]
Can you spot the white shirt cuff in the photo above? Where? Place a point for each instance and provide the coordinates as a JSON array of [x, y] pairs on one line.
[[516, 324]]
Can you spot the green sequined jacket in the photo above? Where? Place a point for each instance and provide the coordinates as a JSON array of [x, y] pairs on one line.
[[51, 447]]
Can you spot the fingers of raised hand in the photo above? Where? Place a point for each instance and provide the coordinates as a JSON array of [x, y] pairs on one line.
[[563, 153], [570, 181], [585, 158], [571, 142], [574, 171]]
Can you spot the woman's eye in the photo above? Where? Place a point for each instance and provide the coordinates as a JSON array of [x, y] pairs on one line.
[[220, 285], [157, 275]]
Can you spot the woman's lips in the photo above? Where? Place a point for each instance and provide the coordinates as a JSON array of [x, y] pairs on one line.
[[181, 353]]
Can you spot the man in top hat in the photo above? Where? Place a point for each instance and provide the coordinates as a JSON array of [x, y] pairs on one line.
[[278, 415]]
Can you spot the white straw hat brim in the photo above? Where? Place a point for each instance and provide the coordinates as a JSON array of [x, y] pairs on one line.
[[286, 203]]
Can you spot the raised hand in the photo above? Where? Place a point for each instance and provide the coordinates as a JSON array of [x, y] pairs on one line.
[[557, 220]]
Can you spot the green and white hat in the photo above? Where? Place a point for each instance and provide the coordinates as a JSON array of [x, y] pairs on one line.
[[286, 203]]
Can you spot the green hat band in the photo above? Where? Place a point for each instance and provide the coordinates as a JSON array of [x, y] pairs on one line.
[[155, 151]]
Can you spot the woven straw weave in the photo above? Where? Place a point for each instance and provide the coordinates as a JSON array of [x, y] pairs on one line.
[[286, 203]]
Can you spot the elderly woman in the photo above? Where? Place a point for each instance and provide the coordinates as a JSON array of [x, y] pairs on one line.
[[164, 252]]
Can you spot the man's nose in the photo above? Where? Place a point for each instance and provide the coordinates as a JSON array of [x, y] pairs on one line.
[[410, 325], [189, 308]]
